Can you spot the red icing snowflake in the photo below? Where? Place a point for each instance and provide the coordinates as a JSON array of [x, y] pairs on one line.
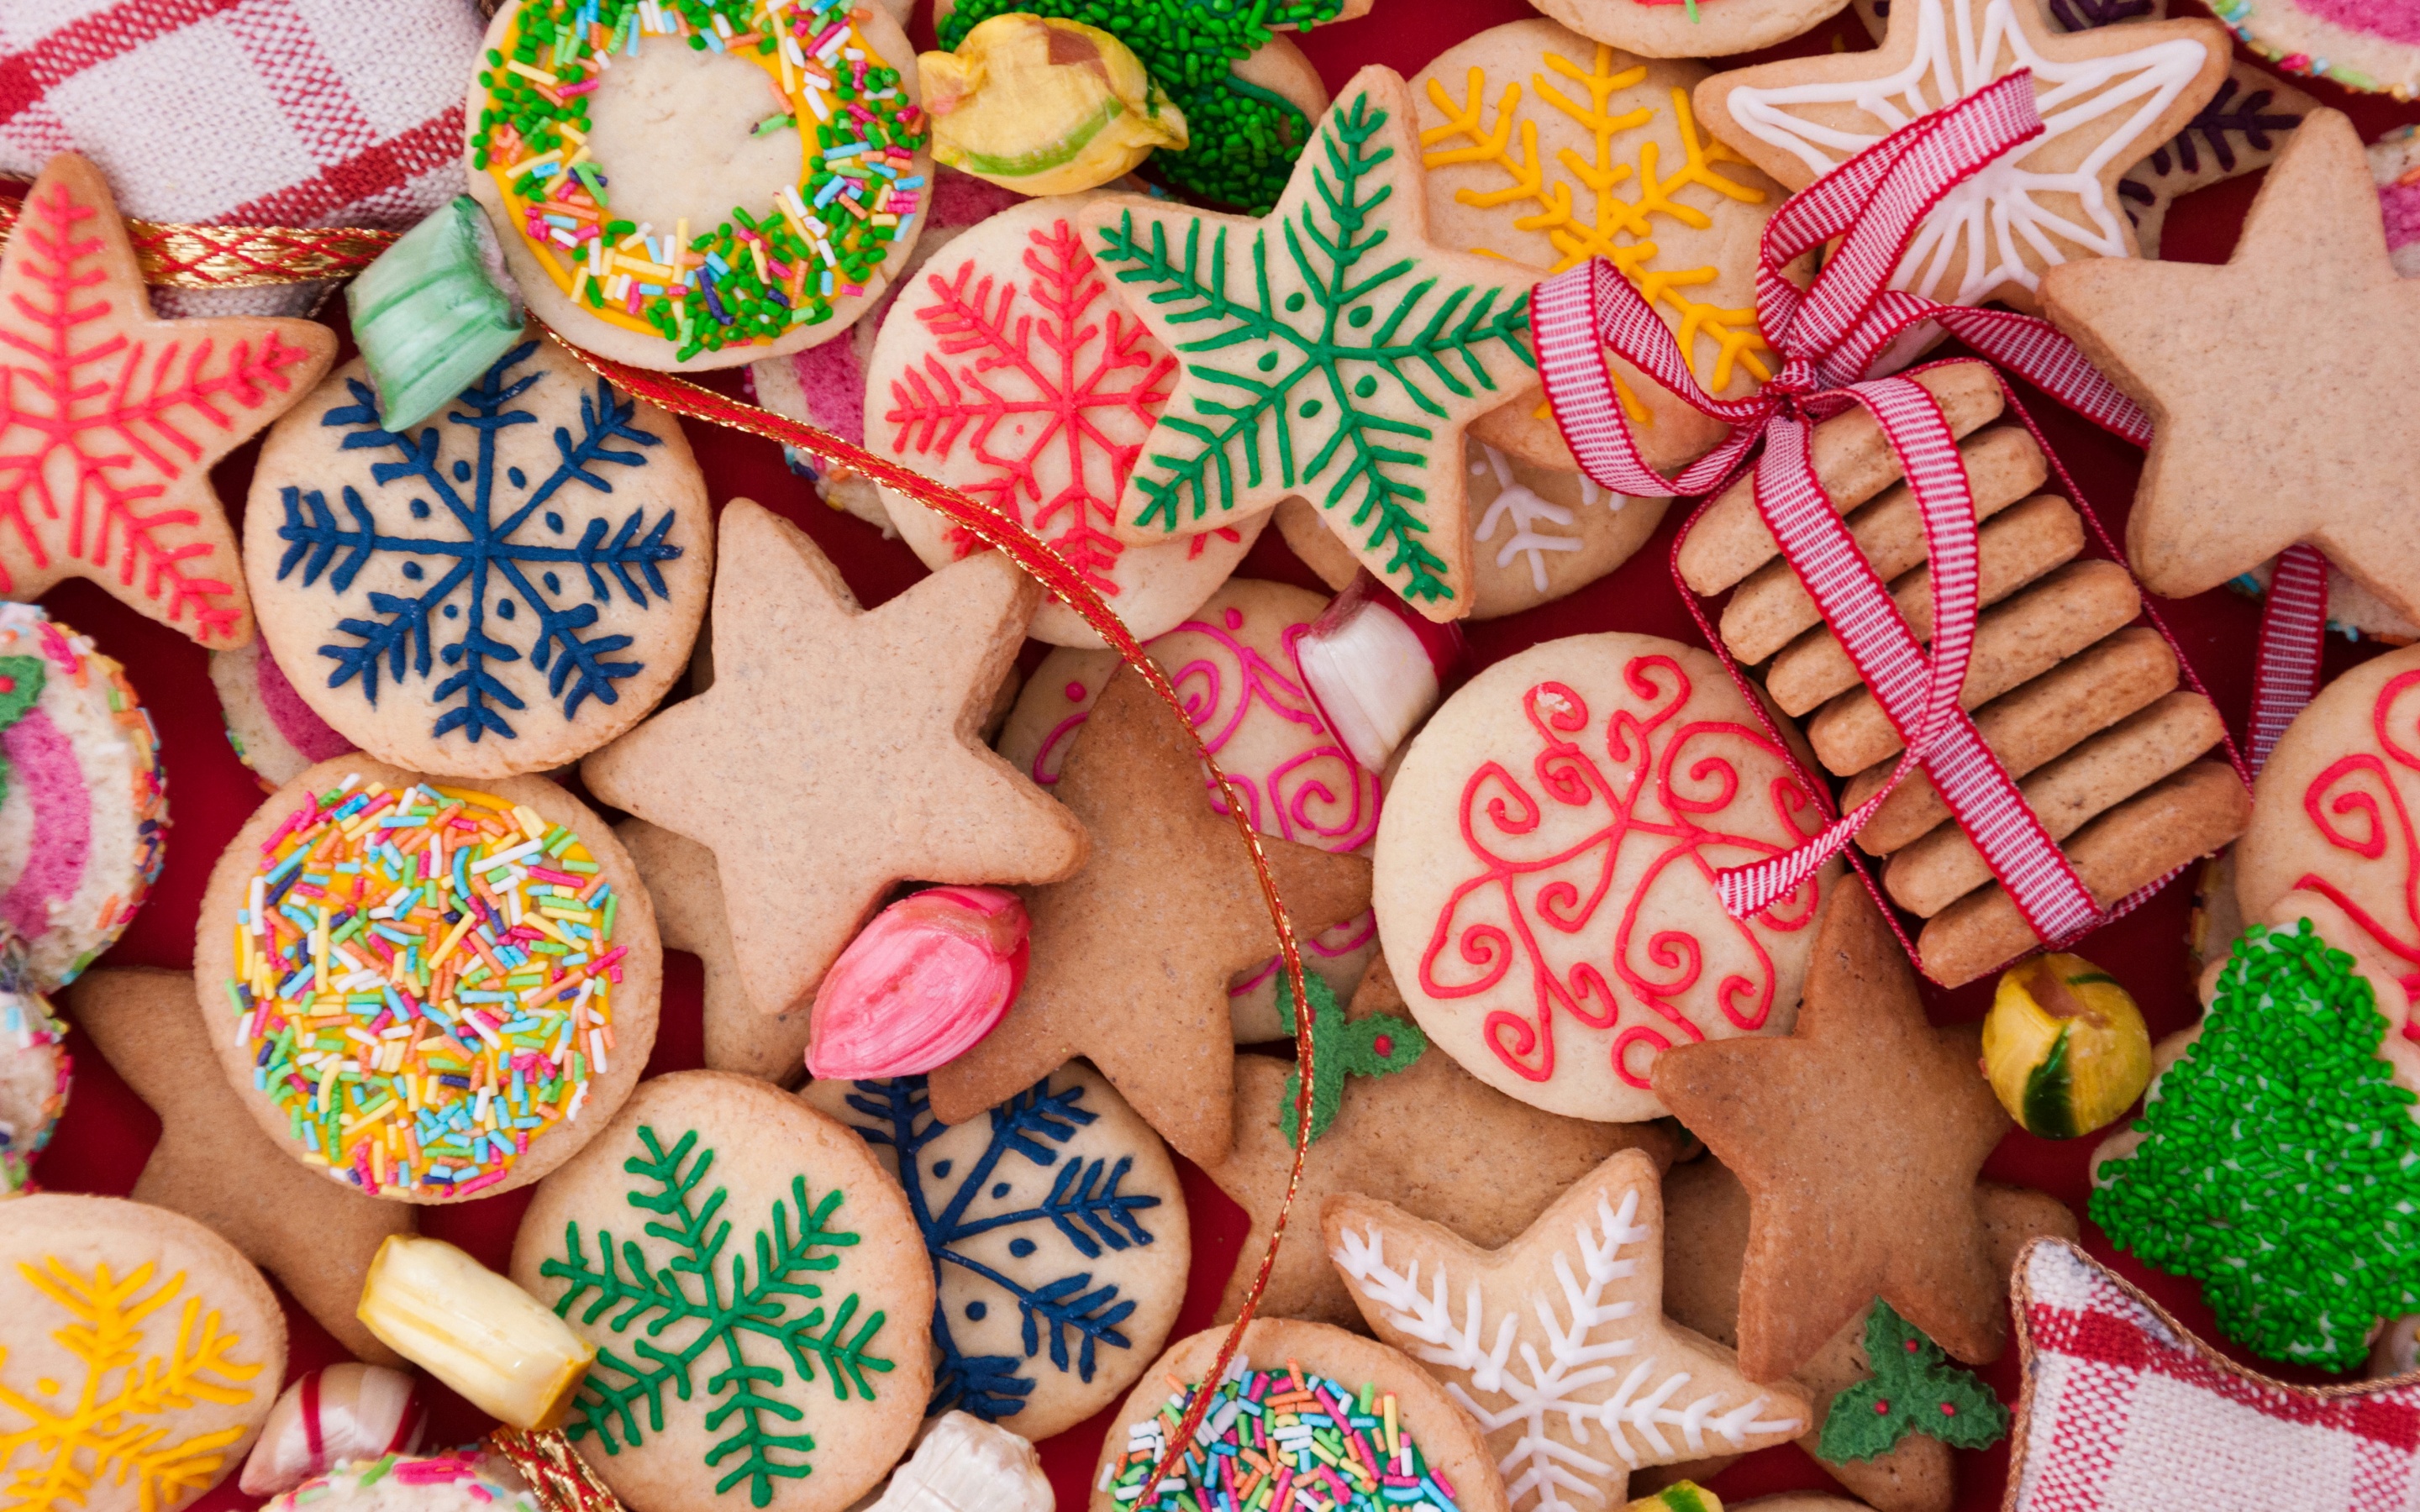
[[1593, 919], [111, 419], [1052, 401]]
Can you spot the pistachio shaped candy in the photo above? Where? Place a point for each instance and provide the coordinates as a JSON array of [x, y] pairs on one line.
[[1045, 106], [435, 311], [2064, 1046]]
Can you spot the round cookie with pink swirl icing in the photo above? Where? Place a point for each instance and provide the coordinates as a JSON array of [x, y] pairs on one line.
[[83, 819], [1544, 879], [1232, 662], [273, 731]]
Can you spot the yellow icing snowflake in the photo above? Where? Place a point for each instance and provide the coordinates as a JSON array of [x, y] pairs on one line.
[[111, 1423], [1577, 203]]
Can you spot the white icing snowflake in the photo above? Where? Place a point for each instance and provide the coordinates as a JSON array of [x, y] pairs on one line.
[[1606, 1361], [1528, 512], [2007, 209]]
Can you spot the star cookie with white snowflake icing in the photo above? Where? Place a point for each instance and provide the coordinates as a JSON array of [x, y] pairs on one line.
[[139, 1354], [1058, 1235], [501, 591], [1557, 1342], [757, 1293], [2108, 98], [1014, 374], [1546, 148], [1335, 350], [111, 419]]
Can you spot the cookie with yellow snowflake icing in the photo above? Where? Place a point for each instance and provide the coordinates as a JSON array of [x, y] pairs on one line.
[[139, 1354], [1548, 148]]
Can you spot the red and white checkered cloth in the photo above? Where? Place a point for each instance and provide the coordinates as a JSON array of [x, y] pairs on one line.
[[2125, 1411], [244, 112]]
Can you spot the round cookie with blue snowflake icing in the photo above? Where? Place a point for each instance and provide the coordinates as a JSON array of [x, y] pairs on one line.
[[499, 590], [1058, 1234]]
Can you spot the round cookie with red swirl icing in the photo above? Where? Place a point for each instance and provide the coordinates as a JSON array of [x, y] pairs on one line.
[[1546, 872], [2333, 814], [1232, 662], [84, 804]]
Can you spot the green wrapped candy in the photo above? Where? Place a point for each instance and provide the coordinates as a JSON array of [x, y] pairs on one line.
[[433, 313]]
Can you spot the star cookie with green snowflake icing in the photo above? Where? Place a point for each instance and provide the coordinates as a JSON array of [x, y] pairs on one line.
[[1330, 352]]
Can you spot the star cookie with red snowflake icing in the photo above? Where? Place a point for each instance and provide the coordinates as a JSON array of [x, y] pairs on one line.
[[111, 418]]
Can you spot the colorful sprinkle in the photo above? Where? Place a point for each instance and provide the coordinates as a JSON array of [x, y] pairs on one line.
[[713, 289], [423, 983], [1281, 1441]]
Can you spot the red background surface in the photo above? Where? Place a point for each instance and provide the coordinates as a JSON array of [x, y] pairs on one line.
[[103, 1141]]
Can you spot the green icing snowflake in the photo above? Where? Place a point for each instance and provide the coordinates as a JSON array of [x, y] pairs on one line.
[[700, 1286], [1351, 389], [2279, 1164]]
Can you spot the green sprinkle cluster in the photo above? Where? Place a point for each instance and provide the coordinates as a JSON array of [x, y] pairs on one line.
[[2280, 1164], [1244, 137], [730, 302]]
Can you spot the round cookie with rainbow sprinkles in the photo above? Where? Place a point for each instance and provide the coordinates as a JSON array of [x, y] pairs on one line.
[[423, 989], [2370, 45], [1360, 1425], [84, 812], [34, 1074], [1548, 148], [405, 1483], [699, 183]]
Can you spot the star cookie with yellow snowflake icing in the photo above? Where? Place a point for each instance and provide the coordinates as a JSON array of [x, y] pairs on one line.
[[138, 1356], [1334, 351]]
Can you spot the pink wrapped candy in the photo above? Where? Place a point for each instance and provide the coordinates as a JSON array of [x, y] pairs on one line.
[[344, 1413], [920, 985]]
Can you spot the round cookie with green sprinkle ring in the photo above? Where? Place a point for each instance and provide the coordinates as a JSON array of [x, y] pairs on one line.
[[1361, 1426], [691, 184], [758, 1294], [427, 989]]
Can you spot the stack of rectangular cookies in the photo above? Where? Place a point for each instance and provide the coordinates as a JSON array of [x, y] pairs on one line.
[[2080, 704]]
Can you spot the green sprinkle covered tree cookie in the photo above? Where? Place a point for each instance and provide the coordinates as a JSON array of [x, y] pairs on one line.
[[1329, 351]]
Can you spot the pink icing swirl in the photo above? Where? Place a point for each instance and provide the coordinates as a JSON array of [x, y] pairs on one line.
[[42, 761]]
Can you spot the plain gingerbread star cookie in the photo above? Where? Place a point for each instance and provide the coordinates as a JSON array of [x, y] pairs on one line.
[[112, 419], [1132, 954], [2108, 98], [1332, 351], [1557, 1342], [1429, 1138], [215, 1165], [2273, 382], [1858, 1138], [840, 750]]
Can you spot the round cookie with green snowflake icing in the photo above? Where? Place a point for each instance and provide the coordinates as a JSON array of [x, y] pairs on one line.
[[139, 1355], [423, 989], [1548, 148], [1058, 1235], [1362, 1423], [691, 184], [757, 1292], [500, 590]]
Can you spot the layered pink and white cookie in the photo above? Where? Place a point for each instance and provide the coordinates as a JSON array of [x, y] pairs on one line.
[[84, 817], [273, 731], [2370, 45], [1010, 370], [2395, 163], [1232, 662], [35, 1072]]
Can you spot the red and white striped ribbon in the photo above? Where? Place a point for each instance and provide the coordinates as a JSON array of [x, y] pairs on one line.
[[2293, 628], [1828, 336]]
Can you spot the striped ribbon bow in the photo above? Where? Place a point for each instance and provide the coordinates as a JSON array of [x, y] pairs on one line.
[[1828, 336]]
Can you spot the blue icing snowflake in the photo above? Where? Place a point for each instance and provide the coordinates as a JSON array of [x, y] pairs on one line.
[[1083, 1207], [483, 568]]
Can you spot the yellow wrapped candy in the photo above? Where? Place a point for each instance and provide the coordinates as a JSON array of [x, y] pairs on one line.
[[1045, 106], [1681, 1496], [2064, 1047], [502, 1350]]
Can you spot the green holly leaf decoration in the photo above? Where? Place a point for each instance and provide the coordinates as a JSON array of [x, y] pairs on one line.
[[1373, 1046], [2279, 1164], [21, 687], [1914, 1388], [1329, 351]]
